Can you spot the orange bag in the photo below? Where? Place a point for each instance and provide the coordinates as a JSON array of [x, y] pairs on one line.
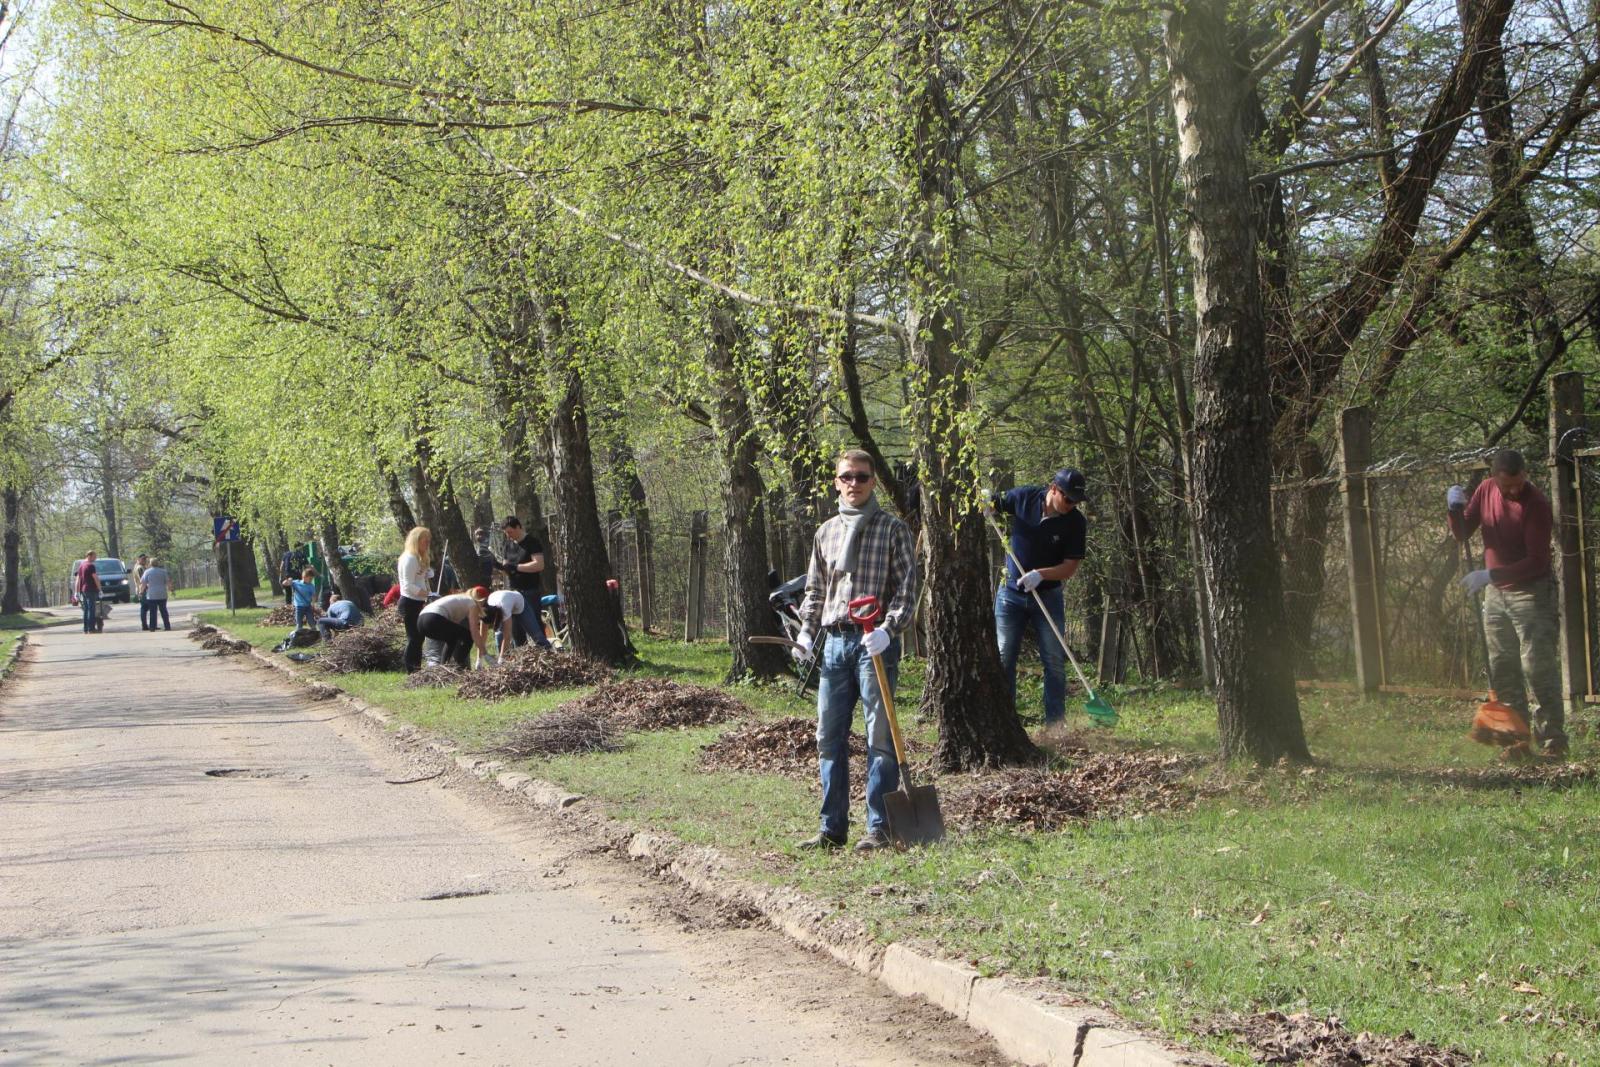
[[1499, 724]]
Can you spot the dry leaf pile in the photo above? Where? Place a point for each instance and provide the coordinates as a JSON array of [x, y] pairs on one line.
[[200, 632], [224, 646], [1096, 785], [786, 747], [283, 615], [377, 646], [660, 704], [566, 729], [528, 670], [435, 676], [1303, 1038]]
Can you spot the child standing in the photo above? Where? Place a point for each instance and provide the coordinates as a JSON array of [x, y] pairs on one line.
[[305, 595]]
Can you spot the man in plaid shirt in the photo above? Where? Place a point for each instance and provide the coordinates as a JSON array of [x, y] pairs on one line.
[[862, 551]]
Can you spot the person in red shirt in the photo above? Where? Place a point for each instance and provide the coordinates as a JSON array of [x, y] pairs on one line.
[[1519, 595]]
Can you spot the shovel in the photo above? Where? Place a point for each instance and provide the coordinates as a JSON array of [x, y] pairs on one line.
[[1099, 711], [1495, 723], [913, 810]]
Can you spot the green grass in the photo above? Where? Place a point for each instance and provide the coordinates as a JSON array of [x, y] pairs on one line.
[[1375, 886]]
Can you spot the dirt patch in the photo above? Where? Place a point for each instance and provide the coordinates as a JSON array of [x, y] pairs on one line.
[[1097, 785], [435, 676], [224, 646], [694, 912], [786, 747], [531, 669], [1304, 1038], [660, 704], [377, 646], [566, 729], [200, 632]]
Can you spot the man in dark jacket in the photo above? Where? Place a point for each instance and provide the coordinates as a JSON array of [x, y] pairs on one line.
[[523, 563], [1519, 595]]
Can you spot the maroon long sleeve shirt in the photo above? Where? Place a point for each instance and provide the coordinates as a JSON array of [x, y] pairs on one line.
[[1516, 533]]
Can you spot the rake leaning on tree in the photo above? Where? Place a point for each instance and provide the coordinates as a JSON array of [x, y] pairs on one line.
[[1519, 596], [862, 551]]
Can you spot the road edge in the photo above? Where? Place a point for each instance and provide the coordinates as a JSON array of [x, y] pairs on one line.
[[1029, 1020]]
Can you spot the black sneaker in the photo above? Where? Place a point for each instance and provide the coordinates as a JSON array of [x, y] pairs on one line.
[[821, 843], [872, 842]]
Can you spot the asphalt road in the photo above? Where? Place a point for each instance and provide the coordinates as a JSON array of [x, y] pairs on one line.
[[197, 864]]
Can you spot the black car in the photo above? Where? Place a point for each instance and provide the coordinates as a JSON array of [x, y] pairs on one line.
[[115, 581]]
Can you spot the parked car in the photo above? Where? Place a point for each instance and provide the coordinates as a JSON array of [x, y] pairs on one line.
[[115, 582]]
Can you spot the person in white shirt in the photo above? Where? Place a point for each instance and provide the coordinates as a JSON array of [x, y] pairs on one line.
[[456, 621], [412, 575], [505, 605]]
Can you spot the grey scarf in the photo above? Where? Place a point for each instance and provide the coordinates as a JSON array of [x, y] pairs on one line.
[[856, 520]]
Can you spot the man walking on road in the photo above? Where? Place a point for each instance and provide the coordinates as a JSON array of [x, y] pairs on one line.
[[1049, 536], [86, 586], [1519, 596], [862, 551]]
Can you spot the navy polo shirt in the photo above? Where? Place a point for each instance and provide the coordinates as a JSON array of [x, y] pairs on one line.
[[1040, 541]]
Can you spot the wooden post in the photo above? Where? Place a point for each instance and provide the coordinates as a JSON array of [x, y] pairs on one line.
[[694, 622], [1566, 416], [1355, 453]]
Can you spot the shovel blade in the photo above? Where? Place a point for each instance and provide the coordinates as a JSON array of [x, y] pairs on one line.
[[914, 816]]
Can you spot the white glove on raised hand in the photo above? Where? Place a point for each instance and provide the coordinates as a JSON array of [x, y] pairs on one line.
[[1455, 498], [1474, 582], [1030, 581], [876, 643], [802, 653]]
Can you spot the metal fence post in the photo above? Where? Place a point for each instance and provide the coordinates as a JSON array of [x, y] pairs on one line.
[[694, 621], [1566, 416], [1355, 454]]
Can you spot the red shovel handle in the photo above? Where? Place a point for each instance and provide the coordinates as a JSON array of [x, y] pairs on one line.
[[865, 611]]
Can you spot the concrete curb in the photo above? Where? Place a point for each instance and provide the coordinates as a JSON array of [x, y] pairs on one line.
[[15, 658], [1028, 1021]]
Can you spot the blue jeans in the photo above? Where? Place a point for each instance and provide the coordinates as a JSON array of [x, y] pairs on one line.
[[147, 613], [847, 676], [531, 628], [303, 616], [1014, 612], [91, 610]]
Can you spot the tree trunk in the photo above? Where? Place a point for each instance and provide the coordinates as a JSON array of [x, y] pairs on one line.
[[1258, 713], [344, 579], [236, 567], [744, 528], [594, 619], [11, 603], [108, 499], [40, 584], [965, 692], [404, 519]]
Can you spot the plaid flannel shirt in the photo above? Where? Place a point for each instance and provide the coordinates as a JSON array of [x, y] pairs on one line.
[[886, 569]]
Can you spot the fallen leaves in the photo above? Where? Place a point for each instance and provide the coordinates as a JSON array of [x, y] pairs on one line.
[[1303, 1038]]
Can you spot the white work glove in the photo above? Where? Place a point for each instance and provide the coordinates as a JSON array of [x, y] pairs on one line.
[[803, 653], [1474, 582], [876, 643], [1030, 581], [1455, 498]]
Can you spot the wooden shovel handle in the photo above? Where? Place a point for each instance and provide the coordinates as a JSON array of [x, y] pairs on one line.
[[894, 723]]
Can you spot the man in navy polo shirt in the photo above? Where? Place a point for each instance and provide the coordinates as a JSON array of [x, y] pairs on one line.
[[1049, 537]]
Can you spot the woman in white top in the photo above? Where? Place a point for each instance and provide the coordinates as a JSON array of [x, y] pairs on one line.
[[456, 621], [413, 581], [504, 607]]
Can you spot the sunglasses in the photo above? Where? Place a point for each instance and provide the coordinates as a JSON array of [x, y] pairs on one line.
[[857, 477]]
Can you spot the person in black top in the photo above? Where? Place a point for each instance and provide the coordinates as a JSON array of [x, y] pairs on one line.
[[1049, 535], [487, 564], [523, 563]]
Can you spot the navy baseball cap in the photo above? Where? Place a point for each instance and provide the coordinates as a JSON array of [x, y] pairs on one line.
[[1072, 484]]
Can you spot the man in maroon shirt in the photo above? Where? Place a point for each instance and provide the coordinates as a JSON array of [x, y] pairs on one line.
[[1519, 595]]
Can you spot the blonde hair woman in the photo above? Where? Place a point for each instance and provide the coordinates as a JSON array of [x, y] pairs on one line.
[[413, 581], [456, 621]]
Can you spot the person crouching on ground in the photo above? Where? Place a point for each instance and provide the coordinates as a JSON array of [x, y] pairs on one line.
[[305, 595], [1049, 536], [1519, 595], [861, 551], [342, 615], [456, 622], [505, 608]]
